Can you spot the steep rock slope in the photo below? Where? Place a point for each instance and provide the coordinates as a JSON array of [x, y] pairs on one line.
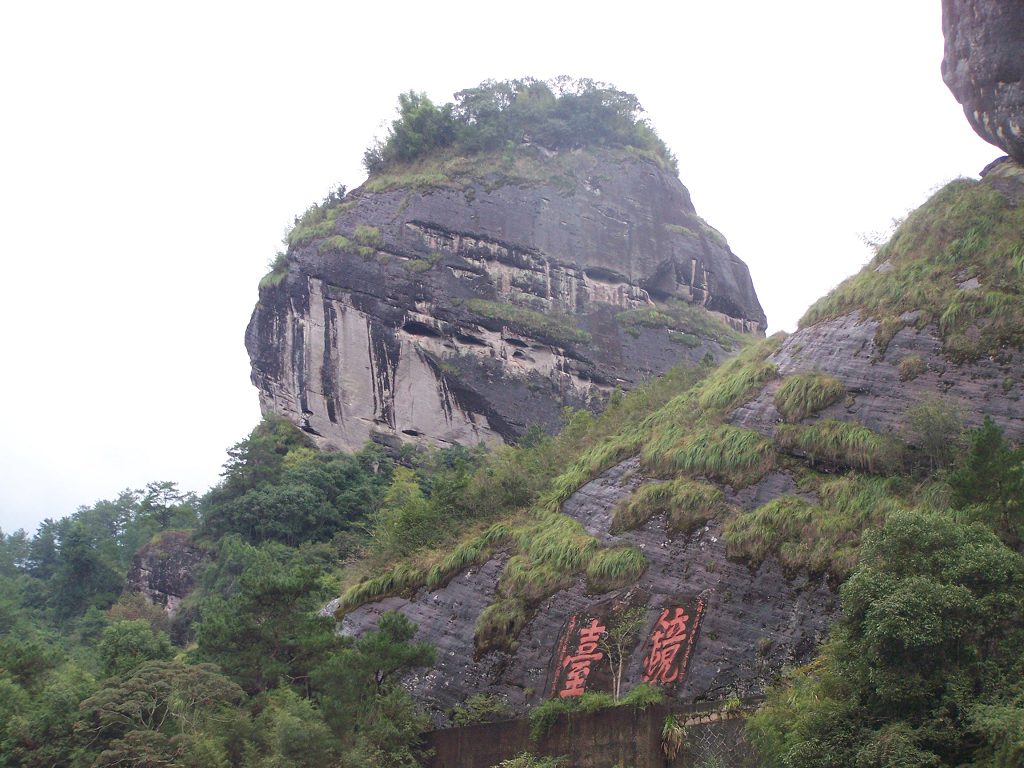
[[935, 317], [744, 498], [984, 67], [464, 300]]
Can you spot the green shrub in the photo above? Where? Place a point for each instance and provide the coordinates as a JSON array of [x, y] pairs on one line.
[[804, 394], [481, 708], [546, 714], [842, 444], [494, 116], [936, 428], [686, 339], [642, 696], [416, 266]]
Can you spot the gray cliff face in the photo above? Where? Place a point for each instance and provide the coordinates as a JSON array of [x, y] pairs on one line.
[[877, 397], [165, 570], [754, 623], [984, 67], [469, 310]]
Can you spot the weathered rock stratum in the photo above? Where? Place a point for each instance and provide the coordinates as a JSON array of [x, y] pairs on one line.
[[467, 301], [984, 67]]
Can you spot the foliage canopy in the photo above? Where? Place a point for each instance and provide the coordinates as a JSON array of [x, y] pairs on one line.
[[563, 113]]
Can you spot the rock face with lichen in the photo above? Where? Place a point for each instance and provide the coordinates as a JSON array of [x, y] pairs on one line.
[[166, 569], [984, 67], [467, 303]]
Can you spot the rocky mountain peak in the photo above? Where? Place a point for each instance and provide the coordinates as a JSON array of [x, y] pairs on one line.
[[463, 296]]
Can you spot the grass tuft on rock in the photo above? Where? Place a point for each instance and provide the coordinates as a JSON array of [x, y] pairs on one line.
[[842, 445], [686, 504], [735, 456], [821, 536], [804, 394], [614, 568]]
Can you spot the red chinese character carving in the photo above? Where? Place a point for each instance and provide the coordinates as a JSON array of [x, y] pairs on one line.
[[580, 662], [666, 640]]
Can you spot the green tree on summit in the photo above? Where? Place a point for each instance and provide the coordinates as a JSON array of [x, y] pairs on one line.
[[558, 114]]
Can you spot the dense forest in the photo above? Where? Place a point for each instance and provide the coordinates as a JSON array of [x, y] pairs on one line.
[[90, 675]]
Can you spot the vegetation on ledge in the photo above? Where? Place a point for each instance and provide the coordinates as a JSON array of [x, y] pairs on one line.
[[957, 262], [684, 318], [557, 328], [804, 394]]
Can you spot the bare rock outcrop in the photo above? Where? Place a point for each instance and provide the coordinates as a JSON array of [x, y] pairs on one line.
[[891, 365], [984, 67], [466, 307], [879, 393], [166, 569]]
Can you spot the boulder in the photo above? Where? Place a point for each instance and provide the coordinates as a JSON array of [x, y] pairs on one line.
[[464, 306], [984, 67]]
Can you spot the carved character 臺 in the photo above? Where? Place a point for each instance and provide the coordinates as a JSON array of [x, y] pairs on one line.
[[580, 662]]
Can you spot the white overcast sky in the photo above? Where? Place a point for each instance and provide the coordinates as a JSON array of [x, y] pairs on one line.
[[152, 154]]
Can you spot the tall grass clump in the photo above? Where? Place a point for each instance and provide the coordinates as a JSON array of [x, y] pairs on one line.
[[757, 534], [842, 445], [402, 578], [821, 537], [334, 243], [686, 504], [475, 551], [738, 457], [739, 379], [278, 271], [557, 540], [531, 581], [735, 384], [614, 568], [804, 394], [498, 626]]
